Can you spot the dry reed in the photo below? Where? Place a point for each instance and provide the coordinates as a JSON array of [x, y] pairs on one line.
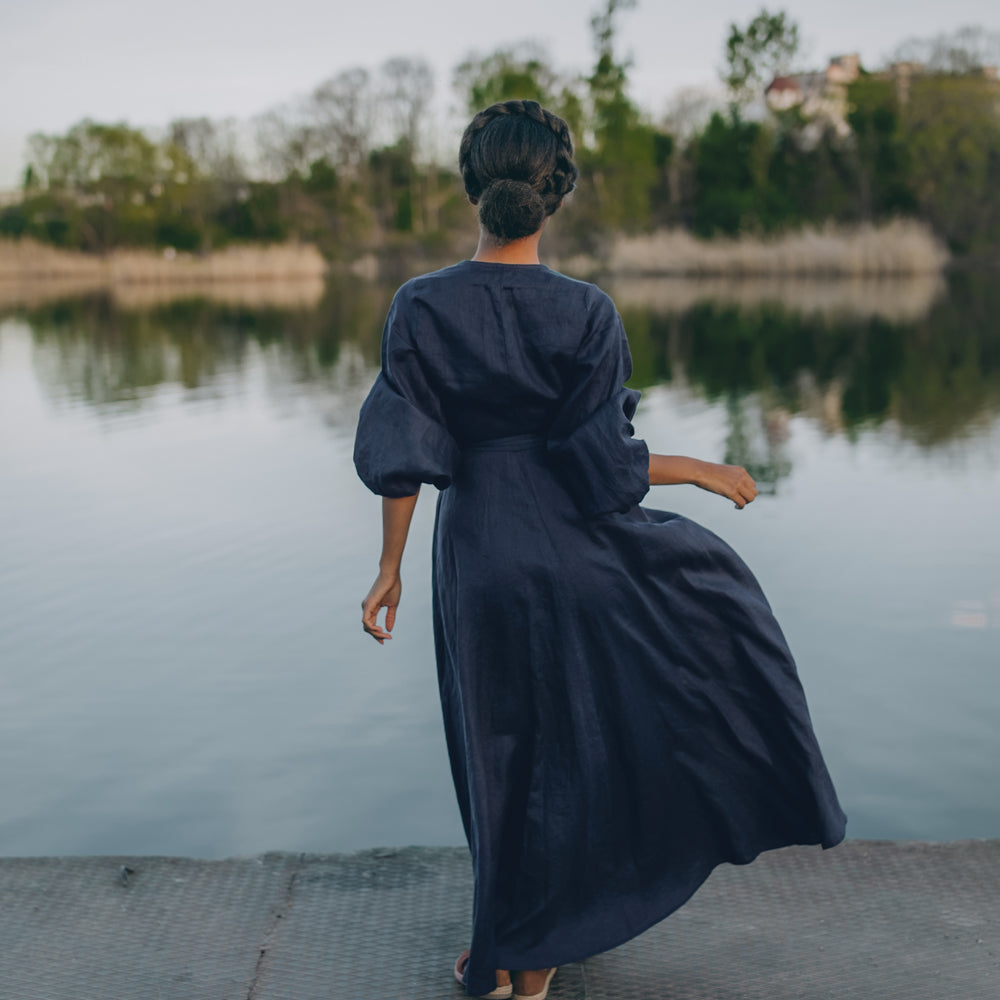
[[898, 247], [239, 263], [27, 260], [287, 275]]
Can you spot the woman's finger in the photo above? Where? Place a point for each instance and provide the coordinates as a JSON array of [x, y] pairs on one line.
[[369, 620], [375, 632], [745, 489]]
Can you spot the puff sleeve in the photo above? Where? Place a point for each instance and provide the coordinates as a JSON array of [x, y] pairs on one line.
[[401, 440], [591, 441]]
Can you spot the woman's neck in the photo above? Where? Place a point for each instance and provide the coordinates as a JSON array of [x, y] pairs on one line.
[[523, 251]]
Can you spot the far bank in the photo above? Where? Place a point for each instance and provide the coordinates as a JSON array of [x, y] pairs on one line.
[[899, 247]]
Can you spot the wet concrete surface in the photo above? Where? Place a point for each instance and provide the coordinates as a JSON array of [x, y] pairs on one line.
[[869, 919]]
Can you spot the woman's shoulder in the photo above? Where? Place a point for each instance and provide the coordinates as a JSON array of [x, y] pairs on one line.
[[455, 279]]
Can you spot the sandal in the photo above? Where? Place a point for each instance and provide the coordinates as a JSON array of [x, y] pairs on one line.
[[545, 989], [500, 993]]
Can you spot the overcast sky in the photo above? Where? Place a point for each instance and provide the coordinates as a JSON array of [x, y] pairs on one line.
[[147, 63]]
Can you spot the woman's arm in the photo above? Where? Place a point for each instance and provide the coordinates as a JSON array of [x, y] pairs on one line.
[[397, 512], [732, 481]]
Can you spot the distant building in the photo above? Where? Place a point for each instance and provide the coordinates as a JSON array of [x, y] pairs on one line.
[[10, 196], [821, 97], [844, 69], [784, 93]]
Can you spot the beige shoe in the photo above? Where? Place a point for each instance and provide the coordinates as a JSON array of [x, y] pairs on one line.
[[545, 989], [500, 993]]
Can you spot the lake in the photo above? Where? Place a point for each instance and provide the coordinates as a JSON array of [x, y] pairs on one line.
[[184, 547]]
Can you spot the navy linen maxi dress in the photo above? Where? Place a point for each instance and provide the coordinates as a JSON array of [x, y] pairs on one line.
[[621, 710]]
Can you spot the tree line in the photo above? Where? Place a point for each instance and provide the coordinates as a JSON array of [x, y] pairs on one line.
[[347, 167]]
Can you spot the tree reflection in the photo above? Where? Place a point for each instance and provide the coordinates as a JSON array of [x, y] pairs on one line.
[[92, 349], [934, 374], [756, 440]]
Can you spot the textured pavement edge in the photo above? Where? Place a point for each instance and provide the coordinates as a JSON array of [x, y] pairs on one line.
[[869, 919]]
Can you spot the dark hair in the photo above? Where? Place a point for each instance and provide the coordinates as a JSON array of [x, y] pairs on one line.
[[516, 160]]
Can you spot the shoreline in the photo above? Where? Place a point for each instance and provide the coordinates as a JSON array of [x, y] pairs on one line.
[[896, 248], [894, 298]]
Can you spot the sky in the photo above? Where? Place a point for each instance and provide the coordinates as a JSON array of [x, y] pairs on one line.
[[147, 63]]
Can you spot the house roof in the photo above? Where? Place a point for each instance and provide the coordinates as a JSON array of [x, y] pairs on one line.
[[782, 83]]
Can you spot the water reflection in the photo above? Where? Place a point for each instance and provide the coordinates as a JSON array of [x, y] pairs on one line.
[[100, 350], [920, 354], [934, 374], [902, 299]]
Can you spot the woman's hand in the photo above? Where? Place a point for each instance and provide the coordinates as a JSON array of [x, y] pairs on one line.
[[384, 593], [396, 515], [732, 481]]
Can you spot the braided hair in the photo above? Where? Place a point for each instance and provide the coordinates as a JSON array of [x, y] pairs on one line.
[[517, 164]]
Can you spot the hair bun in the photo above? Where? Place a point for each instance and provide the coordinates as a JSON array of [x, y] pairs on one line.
[[510, 209]]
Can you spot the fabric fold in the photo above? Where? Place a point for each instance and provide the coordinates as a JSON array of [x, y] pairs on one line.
[[398, 447], [602, 464]]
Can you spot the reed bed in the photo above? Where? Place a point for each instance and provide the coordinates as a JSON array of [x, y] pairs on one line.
[[899, 247], [26, 260], [290, 261], [895, 299], [290, 294], [287, 276]]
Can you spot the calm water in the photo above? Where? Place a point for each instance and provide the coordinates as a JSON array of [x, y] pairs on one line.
[[184, 546]]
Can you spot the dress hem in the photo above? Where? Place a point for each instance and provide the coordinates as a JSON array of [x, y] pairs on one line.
[[573, 957]]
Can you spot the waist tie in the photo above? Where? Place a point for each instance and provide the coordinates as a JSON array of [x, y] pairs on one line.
[[516, 442]]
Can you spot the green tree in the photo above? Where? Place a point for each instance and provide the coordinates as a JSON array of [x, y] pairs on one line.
[[96, 159], [731, 159], [755, 54], [102, 180], [341, 113], [623, 155], [207, 174], [520, 72], [405, 90], [952, 140], [811, 184], [882, 161]]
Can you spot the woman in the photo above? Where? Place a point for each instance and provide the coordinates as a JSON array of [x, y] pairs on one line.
[[621, 711]]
